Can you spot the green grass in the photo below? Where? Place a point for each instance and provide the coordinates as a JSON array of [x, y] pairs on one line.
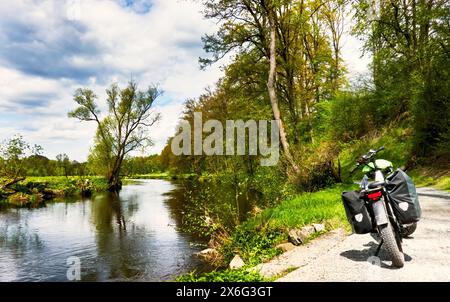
[[396, 140], [255, 239], [307, 208], [34, 190], [68, 185], [398, 144], [239, 275], [160, 175], [431, 178]]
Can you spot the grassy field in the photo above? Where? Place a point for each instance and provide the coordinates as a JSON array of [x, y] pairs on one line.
[[35, 190], [160, 175]]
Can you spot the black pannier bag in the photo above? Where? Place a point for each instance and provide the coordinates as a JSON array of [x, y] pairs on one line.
[[357, 213], [402, 193]]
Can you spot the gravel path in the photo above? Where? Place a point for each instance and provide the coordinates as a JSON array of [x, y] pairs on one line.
[[338, 257]]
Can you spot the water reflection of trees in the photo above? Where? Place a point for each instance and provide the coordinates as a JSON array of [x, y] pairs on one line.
[[119, 249], [107, 209], [192, 200], [16, 236]]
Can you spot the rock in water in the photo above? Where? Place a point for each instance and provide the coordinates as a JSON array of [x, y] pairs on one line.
[[318, 227], [237, 262]]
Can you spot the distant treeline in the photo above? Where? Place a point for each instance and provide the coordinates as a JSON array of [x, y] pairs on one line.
[[39, 165]]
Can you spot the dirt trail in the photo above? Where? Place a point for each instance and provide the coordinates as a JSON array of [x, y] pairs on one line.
[[338, 257]]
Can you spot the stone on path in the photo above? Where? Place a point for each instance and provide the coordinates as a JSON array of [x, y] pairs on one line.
[[285, 247], [318, 227]]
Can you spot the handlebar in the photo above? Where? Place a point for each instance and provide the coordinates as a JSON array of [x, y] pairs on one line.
[[366, 158], [370, 154], [380, 149]]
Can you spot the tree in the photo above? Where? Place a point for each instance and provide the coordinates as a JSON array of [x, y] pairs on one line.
[[272, 92], [334, 15], [63, 162], [13, 153], [123, 129], [300, 55]]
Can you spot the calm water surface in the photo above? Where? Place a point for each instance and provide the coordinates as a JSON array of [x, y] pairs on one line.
[[125, 237]]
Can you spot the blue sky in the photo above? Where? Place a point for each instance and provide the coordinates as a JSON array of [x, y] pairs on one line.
[[49, 48]]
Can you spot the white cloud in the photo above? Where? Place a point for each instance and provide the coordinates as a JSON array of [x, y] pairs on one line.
[[94, 43], [165, 127], [356, 63]]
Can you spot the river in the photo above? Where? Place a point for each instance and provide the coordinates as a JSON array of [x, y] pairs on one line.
[[130, 236]]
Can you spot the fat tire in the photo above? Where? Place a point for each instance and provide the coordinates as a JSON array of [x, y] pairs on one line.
[[390, 244]]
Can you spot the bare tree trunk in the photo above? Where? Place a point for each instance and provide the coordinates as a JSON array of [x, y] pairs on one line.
[[114, 181], [273, 95], [115, 184], [308, 116], [9, 183]]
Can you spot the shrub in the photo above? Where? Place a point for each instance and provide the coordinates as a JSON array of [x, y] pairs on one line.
[[351, 116], [239, 275]]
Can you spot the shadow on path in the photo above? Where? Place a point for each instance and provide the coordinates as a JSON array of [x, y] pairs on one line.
[[363, 255]]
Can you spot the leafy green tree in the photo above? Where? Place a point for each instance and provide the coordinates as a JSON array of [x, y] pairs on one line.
[[142, 165], [64, 163], [39, 165], [13, 153], [122, 130]]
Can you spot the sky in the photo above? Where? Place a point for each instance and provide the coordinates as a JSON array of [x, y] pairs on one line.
[[49, 48]]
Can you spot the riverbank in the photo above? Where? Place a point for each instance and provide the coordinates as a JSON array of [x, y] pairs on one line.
[[264, 236], [161, 175], [34, 191]]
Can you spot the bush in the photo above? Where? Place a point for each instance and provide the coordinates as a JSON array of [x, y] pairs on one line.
[[239, 275], [253, 243], [319, 168], [272, 184], [351, 116]]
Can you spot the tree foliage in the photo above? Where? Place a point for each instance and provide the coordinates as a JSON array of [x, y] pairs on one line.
[[409, 41], [122, 130], [13, 153], [321, 113]]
